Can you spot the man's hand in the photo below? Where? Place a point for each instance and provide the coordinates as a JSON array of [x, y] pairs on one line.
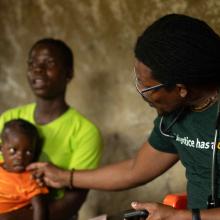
[[46, 173]]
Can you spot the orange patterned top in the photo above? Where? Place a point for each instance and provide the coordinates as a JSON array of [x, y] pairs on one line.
[[17, 189]]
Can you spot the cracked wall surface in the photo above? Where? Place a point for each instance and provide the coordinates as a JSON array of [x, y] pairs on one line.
[[102, 34]]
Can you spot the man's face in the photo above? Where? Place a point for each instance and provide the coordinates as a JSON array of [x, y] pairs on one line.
[[47, 74], [18, 151], [162, 99]]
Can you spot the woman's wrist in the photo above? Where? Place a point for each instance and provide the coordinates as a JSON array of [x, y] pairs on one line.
[[71, 179], [65, 180], [183, 214]]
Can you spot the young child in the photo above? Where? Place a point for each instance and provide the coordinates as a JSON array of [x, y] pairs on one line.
[[19, 146]]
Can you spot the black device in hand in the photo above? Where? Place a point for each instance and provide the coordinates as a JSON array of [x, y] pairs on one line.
[[132, 213]]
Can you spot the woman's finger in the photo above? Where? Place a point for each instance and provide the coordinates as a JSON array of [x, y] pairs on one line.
[[40, 182], [38, 174], [36, 166]]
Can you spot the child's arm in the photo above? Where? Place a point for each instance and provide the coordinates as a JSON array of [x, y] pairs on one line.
[[40, 207]]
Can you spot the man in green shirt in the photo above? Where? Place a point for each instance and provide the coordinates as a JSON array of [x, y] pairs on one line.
[[69, 140], [177, 67]]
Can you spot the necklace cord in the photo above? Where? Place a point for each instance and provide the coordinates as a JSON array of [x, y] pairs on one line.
[[209, 102]]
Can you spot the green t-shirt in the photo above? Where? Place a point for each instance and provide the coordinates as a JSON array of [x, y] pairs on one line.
[[70, 141], [193, 141]]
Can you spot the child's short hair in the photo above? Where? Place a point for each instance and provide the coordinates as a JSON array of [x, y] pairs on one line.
[[24, 127]]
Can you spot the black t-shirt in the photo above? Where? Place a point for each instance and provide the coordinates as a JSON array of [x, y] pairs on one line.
[[193, 141]]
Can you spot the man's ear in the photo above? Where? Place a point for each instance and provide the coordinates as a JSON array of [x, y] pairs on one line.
[[183, 91], [69, 75]]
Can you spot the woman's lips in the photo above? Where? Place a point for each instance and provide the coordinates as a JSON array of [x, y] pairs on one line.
[[149, 103]]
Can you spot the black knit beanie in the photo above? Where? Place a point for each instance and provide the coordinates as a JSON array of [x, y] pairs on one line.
[[180, 49]]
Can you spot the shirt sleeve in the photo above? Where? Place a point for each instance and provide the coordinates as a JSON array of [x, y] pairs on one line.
[[88, 152], [159, 141]]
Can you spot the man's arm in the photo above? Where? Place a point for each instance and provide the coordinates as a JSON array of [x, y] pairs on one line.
[[144, 167], [69, 205], [40, 207], [20, 214]]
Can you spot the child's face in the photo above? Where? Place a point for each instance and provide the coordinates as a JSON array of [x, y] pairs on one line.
[[18, 151]]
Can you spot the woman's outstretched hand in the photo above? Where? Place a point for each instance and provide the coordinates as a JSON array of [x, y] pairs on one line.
[[50, 175], [159, 211]]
